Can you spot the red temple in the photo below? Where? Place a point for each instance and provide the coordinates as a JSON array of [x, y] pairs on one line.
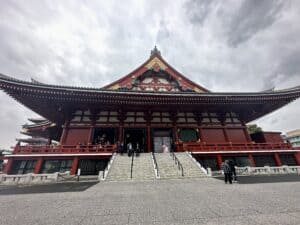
[[152, 106]]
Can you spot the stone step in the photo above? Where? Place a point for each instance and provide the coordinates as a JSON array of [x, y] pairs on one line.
[[191, 169], [142, 168], [166, 166]]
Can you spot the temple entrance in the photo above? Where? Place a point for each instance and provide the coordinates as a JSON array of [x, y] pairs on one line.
[[105, 136], [136, 136], [162, 140]]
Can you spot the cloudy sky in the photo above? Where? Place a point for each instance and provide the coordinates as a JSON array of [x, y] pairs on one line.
[[231, 45]]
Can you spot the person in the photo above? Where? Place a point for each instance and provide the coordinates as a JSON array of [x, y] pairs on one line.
[[227, 172], [121, 148], [137, 150], [173, 146], [129, 149], [165, 148], [232, 168]]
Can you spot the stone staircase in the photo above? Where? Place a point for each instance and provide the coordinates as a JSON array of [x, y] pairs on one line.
[[142, 168], [167, 167], [191, 169]]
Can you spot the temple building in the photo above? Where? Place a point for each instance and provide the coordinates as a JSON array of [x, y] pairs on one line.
[[293, 137], [153, 106]]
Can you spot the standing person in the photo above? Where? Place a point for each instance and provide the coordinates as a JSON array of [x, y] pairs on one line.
[[129, 149], [173, 146], [232, 168], [227, 172], [121, 148], [137, 150]]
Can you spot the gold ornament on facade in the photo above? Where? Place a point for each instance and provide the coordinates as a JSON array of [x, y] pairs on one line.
[[154, 62]]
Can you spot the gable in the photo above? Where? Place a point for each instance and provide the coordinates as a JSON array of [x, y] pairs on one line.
[[155, 75]]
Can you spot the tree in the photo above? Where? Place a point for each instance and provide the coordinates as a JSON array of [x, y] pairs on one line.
[[253, 128]]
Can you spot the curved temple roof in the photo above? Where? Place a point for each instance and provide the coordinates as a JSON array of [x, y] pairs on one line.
[[54, 101]]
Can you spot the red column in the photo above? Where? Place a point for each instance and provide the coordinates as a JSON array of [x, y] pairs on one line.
[[226, 135], [219, 160], [74, 165], [38, 165], [91, 135], [176, 134], [297, 157], [201, 134], [277, 159], [148, 138], [252, 161], [8, 166], [120, 133], [247, 135], [63, 136], [64, 133]]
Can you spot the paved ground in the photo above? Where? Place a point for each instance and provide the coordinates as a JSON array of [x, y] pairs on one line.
[[198, 201]]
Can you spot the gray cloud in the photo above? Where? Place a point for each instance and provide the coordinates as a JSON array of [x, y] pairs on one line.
[[198, 11], [252, 17]]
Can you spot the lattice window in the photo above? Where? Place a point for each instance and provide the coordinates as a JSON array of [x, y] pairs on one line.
[[135, 117], [108, 116], [161, 117], [210, 118], [81, 116], [186, 117], [232, 119], [52, 166]]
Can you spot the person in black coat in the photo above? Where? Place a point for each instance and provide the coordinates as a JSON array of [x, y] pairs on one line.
[[121, 148], [232, 167], [227, 172], [129, 149]]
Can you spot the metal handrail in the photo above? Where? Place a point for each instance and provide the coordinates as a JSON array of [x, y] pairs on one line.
[[131, 168], [155, 164], [177, 162]]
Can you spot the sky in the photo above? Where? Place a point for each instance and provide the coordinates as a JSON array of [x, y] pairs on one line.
[[232, 45]]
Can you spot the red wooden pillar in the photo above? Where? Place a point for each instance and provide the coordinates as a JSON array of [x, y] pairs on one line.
[[149, 137], [176, 134], [252, 161], [277, 159], [64, 133], [201, 134], [297, 157], [247, 135], [226, 135], [219, 161], [63, 136], [38, 165], [90, 137], [120, 134], [8, 166], [74, 165]]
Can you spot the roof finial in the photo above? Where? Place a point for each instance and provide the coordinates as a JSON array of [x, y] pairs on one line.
[[155, 51]]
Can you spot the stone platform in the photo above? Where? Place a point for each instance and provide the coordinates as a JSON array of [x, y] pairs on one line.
[[189, 201]]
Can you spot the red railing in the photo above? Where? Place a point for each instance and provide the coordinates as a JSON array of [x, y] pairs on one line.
[[195, 146], [191, 147], [63, 149]]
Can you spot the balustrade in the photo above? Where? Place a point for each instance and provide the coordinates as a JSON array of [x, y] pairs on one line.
[[59, 149], [202, 146]]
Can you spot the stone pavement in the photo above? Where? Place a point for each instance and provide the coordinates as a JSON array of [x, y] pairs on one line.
[[194, 201]]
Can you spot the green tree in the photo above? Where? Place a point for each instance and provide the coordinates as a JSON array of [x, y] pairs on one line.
[[253, 128]]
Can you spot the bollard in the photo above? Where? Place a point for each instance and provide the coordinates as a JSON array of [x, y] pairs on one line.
[[209, 173], [78, 174]]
